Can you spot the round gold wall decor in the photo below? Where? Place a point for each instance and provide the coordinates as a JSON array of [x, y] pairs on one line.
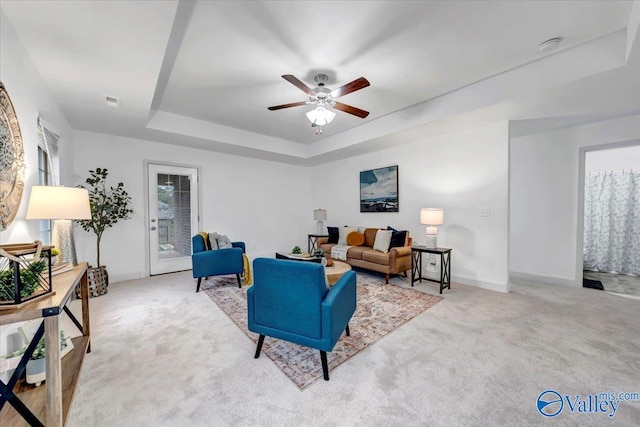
[[11, 161]]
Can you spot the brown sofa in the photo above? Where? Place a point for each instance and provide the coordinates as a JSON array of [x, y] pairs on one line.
[[396, 261]]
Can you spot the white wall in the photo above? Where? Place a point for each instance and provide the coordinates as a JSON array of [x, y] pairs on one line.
[[546, 197], [458, 172], [30, 97], [614, 159], [265, 204]]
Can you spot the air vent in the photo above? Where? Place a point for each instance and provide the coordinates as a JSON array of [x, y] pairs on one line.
[[111, 101], [550, 45]]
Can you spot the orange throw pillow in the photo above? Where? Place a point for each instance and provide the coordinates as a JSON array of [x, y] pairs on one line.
[[355, 239]]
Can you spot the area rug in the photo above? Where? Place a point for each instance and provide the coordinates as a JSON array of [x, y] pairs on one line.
[[592, 284], [380, 309]]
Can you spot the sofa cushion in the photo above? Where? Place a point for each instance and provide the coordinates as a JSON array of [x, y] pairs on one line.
[[356, 252], [333, 234], [213, 241], [376, 257], [224, 242], [398, 238], [370, 236], [343, 233], [383, 239], [355, 239]]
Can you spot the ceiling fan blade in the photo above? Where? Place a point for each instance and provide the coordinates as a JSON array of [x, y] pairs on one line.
[[357, 84], [299, 84], [280, 107], [351, 110]]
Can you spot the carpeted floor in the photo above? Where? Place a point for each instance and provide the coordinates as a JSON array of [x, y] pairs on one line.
[[380, 310]]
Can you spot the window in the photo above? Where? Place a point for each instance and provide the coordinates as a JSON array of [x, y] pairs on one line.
[[43, 179]]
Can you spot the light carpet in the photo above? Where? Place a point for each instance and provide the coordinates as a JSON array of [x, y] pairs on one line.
[[380, 310]]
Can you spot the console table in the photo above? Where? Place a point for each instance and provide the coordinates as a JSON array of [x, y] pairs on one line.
[[312, 242], [48, 404], [445, 265]]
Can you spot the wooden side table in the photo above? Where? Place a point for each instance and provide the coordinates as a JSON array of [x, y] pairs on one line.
[[312, 242], [445, 265], [48, 404]]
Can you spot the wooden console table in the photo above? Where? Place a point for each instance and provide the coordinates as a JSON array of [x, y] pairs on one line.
[[50, 402]]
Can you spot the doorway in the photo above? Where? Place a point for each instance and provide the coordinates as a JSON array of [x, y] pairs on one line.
[[173, 216], [611, 240]]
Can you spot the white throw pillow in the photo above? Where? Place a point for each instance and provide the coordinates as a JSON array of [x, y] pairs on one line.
[[383, 240], [343, 232], [224, 242], [213, 240]]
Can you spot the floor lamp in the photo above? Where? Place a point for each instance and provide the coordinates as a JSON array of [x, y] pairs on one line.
[[61, 204]]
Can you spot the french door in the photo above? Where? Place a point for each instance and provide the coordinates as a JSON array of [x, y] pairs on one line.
[[173, 217]]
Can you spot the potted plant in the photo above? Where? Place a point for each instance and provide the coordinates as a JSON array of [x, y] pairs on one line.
[[108, 206]]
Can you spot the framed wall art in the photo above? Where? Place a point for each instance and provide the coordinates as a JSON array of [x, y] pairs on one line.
[[11, 161], [379, 190]]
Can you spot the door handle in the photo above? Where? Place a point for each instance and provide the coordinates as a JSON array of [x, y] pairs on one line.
[[153, 228]]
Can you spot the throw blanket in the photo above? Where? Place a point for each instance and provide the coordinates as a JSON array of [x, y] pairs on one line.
[[339, 252], [247, 270]]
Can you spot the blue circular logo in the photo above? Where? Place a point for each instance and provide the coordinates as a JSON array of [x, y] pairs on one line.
[[550, 403]]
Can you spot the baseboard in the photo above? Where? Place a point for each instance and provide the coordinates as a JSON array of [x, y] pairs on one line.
[[122, 277], [483, 284], [548, 280]]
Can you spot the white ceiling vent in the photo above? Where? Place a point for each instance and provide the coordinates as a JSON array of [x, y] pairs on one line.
[[112, 101], [550, 45]]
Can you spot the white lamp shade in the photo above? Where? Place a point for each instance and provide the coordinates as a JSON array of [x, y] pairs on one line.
[[50, 202], [320, 116], [431, 216], [320, 214]]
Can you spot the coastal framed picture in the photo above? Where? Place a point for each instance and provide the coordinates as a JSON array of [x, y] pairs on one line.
[[379, 190]]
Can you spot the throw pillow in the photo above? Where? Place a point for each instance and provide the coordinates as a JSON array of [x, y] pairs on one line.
[[213, 241], [333, 234], [355, 238], [343, 232], [383, 239], [398, 238], [370, 236], [224, 242]]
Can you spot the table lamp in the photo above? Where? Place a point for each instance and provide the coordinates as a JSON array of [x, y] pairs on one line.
[[320, 215], [62, 204], [431, 217]]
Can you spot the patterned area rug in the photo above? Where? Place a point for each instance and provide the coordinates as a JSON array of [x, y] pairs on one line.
[[380, 309]]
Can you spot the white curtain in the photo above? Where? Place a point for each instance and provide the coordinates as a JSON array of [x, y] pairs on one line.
[[612, 222]]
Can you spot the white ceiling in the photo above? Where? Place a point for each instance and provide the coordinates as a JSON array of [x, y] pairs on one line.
[[203, 73]]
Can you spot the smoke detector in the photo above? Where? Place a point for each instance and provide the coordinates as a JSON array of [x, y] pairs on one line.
[[550, 45]]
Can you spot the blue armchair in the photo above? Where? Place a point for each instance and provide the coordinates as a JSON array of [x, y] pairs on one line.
[[290, 301], [216, 263]]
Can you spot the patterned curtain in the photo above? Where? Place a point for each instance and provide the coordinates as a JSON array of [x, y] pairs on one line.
[[612, 222]]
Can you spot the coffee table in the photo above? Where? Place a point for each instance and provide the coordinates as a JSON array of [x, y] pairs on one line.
[[335, 273]]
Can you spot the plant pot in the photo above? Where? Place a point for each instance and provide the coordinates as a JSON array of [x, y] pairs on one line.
[[36, 371], [98, 279]]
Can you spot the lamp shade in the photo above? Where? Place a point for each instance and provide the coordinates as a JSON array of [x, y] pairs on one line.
[[320, 214], [431, 216], [320, 116], [50, 202]]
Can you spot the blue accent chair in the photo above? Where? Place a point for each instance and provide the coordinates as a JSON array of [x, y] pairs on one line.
[[289, 300], [218, 262]]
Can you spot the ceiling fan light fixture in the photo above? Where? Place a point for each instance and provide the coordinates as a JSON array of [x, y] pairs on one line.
[[320, 116]]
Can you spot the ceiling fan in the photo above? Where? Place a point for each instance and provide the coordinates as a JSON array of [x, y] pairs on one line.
[[322, 97]]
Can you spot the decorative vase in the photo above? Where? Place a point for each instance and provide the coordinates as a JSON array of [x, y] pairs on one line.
[[36, 371]]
